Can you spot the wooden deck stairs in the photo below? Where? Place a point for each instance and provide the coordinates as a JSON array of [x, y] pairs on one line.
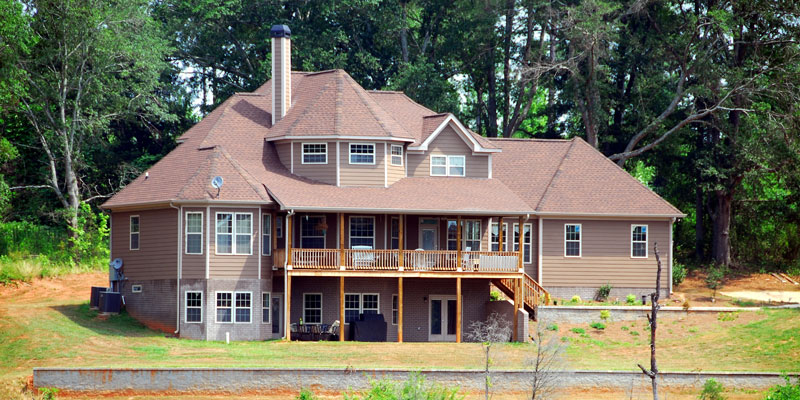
[[533, 293]]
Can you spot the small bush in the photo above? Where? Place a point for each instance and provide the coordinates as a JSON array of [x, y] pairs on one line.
[[712, 390], [634, 333], [716, 277], [578, 330], [598, 325], [48, 393], [605, 315], [727, 316], [630, 299], [414, 387], [494, 295], [785, 392], [678, 273], [686, 305], [552, 327], [575, 299], [603, 292], [624, 328]]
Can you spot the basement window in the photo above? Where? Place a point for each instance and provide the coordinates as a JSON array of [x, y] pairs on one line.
[[194, 307], [136, 289]]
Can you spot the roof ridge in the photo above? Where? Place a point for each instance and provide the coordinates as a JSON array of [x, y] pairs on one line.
[[381, 91], [630, 176], [242, 172], [327, 71], [503, 139], [444, 114], [227, 106], [371, 106], [337, 115], [555, 174]]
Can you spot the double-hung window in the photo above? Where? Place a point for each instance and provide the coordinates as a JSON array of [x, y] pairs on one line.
[[234, 233], [495, 239], [356, 304], [470, 235], [312, 232], [134, 242], [234, 307], [397, 155], [266, 299], [194, 307], [362, 153], [448, 165], [266, 234], [315, 153], [572, 240], [194, 233], [395, 233], [639, 241], [362, 232], [395, 310], [312, 308], [279, 227], [527, 242]]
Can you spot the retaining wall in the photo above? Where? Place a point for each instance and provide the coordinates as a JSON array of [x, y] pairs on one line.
[[588, 314], [242, 379]]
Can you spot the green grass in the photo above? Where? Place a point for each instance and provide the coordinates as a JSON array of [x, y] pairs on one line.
[[23, 268]]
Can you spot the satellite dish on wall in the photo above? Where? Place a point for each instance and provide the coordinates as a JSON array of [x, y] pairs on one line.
[[116, 263], [217, 182]]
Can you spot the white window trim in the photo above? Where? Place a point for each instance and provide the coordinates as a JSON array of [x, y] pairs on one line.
[[217, 307], [447, 165], [350, 153], [248, 308], [131, 233], [346, 309], [266, 251], [233, 234], [186, 233], [186, 307], [464, 236], [529, 259], [136, 288], [395, 296], [321, 315], [324, 238], [646, 240], [360, 308], [505, 236], [392, 155], [391, 234], [268, 307], [303, 153], [350, 229], [580, 240], [378, 309]]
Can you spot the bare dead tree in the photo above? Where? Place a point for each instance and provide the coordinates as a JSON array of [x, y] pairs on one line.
[[547, 364], [652, 318], [495, 329]]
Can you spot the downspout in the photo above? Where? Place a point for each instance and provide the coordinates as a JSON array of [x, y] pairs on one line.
[[180, 270], [671, 227], [286, 299]]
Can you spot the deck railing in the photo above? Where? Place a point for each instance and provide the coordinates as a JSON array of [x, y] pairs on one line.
[[413, 260]]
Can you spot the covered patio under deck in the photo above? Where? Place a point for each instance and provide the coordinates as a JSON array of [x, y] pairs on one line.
[[503, 268]]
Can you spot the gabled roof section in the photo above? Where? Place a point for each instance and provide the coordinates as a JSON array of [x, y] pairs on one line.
[[331, 104], [433, 125]]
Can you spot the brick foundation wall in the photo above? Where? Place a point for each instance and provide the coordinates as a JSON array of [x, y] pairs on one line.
[[156, 304]]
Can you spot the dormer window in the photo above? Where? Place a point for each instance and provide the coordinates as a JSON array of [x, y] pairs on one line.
[[448, 166], [362, 153], [397, 155], [315, 153]]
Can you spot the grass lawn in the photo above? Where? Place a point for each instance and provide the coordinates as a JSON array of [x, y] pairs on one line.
[[48, 323]]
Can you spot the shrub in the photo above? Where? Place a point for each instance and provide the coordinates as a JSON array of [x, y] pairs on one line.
[[715, 277], [686, 305], [630, 299], [598, 325], [414, 387], [785, 392], [712, 390], [603, 292], [678, 273], [578, 330], [494, 295], [48, 393], [552, 327], [575, 299], [624, 328], [634, 333], [727, 316], [605, 315]]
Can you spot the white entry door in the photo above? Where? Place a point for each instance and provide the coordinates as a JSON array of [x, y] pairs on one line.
[[442, 319]]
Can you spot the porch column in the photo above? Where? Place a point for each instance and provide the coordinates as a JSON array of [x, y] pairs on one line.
[[521, 243], [458, 247], [516, 308], [400, 309], [500, 234], [287, 320], [341, 245], [400, 259], [341, 308], [289, 234], [458, 310]]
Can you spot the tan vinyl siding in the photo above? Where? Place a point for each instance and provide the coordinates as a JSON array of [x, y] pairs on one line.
[[358, 174], [193, 265], [325, 173], [448, 143], [235, 266], [395, 172], [605, 254], [284, 154], [157, 257]]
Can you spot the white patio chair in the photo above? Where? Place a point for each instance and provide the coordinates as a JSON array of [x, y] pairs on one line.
[[363, 258]]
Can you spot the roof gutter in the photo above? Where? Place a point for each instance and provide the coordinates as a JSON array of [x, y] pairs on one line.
[[408, 211]]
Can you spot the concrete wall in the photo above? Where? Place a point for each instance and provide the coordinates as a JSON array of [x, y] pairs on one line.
[[580, 315]]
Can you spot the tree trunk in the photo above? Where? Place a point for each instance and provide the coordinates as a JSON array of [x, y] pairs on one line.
[[509, 20], [721, 241], [73, 194], [699, 233], [652, 373], [404, 34], [491, 103]]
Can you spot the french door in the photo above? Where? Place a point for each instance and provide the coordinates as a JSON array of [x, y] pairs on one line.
[[442, 319]]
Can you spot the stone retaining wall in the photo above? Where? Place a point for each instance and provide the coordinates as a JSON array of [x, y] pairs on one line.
[[589, 314], [242, 379]]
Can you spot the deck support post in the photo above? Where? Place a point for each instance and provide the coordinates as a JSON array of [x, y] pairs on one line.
[[521, 244], [517, 294], [400, 259], [287, 320], [400, 309], [500, 234], [289, 234], [341, 245], [458, 246], [458, 310], [341, 309]]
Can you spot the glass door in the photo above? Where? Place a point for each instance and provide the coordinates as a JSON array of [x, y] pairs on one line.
[[277, 313], [442, 320]]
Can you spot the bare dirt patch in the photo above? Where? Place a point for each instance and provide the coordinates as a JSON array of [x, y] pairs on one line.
[[694, 289]]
